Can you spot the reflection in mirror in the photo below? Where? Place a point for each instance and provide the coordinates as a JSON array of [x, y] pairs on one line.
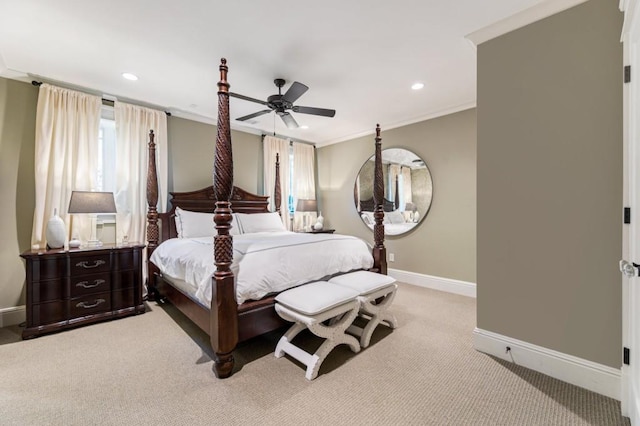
[[408, 190]]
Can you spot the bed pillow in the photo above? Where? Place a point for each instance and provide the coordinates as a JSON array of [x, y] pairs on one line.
[[260, 222], [368, 218], [196, 224]]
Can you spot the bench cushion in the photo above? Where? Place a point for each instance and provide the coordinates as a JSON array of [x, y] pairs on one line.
[[363, 282], [316, 297]]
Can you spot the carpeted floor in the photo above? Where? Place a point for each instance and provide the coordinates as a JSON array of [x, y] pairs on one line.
[[155, 369]]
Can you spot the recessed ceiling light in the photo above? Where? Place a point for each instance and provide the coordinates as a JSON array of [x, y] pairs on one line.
[[304, 127], [129, 76], [417, 86]]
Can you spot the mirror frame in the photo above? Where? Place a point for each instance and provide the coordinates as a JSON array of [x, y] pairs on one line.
[[390, 205]]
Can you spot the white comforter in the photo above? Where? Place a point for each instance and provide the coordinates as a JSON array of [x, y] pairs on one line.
[[263, 262]]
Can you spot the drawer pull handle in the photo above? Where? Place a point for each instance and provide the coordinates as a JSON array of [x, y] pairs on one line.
[[85, 284], [89, 306], [86, 264]]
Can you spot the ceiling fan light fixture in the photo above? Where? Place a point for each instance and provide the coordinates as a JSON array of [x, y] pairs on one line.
[[417, 86], [281, 104], [129, 76]]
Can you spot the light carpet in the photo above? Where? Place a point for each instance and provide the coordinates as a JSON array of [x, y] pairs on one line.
[[155, 369]]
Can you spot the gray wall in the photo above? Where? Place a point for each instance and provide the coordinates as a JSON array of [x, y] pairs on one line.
[[550, 183], [444, 244], [17, 184]]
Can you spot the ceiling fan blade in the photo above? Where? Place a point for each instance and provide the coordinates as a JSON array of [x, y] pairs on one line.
[[315, 111], [255, 114], [295, 91], [246, 98], [288, 120]]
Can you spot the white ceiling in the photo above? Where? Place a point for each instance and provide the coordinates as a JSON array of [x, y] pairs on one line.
[[357, 57]]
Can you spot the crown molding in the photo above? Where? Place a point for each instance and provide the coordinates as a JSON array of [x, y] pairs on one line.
[[520, 19]]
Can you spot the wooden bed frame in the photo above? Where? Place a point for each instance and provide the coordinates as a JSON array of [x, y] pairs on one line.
[[226, 322]]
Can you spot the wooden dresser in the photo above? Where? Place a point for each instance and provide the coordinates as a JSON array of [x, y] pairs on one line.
[[70, 288]]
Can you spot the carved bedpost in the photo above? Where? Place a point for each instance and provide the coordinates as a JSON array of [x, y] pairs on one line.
[[224, 308], [379, 250], [396, 201], [277, 194], [153, 233]]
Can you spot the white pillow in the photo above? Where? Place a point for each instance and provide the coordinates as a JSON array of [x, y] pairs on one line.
[[260, 222], [394, 216], [369, 219], [196, 224]]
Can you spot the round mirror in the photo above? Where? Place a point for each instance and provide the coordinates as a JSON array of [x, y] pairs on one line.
[[408, 189]]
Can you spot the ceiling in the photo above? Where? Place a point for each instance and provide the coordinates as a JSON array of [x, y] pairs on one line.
[[357, 57]]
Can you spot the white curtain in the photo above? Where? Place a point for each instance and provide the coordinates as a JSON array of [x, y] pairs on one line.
[[66, 156], [273, 146], [133, 124], [304, 182], [394, 170]]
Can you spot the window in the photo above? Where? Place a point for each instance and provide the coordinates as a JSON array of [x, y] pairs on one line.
[[106, 171], [291, 202], [105, 177]]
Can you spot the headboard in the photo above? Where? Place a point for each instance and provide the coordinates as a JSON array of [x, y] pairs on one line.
[[369, 205], [203, 200]]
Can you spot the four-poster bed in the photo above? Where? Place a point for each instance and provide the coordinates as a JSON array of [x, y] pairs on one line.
[[225, 320]]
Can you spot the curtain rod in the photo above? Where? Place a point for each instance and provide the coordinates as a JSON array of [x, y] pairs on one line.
[[291, 141], [108, 102]]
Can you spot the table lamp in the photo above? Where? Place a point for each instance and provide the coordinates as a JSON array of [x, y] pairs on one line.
[[306, 206], [92, 203]]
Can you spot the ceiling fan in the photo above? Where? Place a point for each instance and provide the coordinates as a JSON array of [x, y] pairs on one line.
[[282, 104]]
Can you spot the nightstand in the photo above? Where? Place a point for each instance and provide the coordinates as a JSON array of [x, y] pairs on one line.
[[75, 287], [322, 231]]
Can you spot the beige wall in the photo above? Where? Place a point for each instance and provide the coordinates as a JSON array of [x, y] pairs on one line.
[[550, 183], [444, 244], [17, 184], [191, 154]]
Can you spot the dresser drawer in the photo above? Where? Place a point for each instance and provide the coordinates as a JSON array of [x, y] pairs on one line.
[[49, 290], [90, 304], [48, 313], [88, 284], [125, 279], [90, 264], [128, 260], [43, 268], [124, 298]]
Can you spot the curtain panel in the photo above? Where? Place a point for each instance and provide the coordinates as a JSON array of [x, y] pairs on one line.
[[133, 124], [273, 146], [66, 157], [304, 181]]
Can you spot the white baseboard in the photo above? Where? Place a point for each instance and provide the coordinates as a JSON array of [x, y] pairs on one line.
[[577, 371], [12, 316], [449, 285]]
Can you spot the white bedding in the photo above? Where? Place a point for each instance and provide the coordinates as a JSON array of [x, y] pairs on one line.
[[263, 262]]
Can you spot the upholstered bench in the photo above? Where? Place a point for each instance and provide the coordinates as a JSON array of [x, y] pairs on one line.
[[309, 306], [375, 294]]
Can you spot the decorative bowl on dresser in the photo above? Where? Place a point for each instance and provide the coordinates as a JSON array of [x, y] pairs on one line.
[[79, 286]]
